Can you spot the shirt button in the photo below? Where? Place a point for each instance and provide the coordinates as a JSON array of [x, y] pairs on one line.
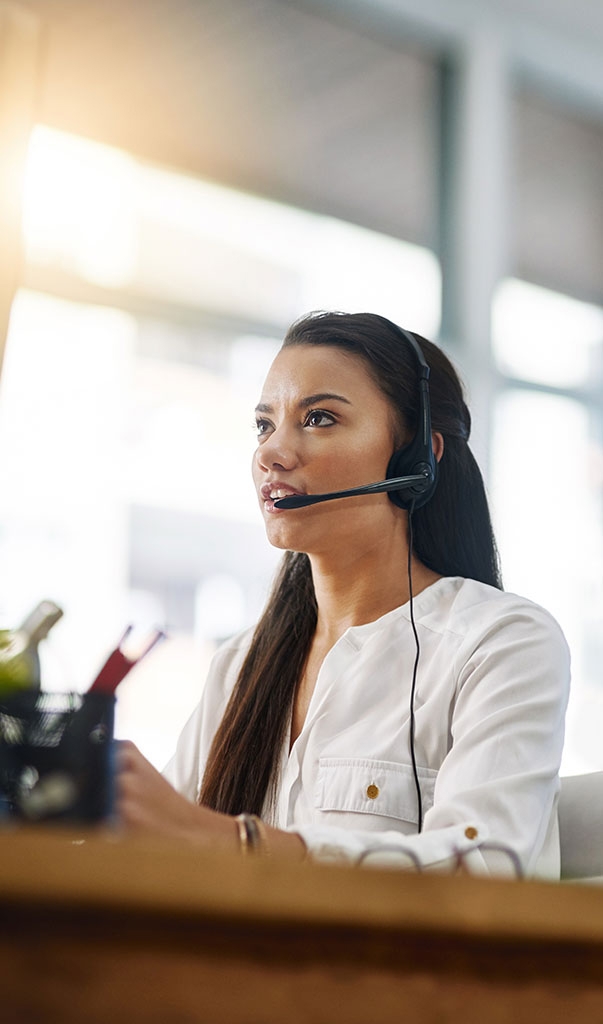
[[471, 832], [372, 791]]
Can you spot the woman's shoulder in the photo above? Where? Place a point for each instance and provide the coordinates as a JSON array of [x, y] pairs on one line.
[[468, 608], [472, 594], [229, 656], [484, 631], [234, 644]]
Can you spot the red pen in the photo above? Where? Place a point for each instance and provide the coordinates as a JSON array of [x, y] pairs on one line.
[[118, 664]]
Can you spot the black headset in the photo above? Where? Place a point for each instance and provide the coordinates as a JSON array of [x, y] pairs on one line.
[[416, 457]]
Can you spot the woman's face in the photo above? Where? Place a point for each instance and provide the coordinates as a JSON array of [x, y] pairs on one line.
[[323, 425]]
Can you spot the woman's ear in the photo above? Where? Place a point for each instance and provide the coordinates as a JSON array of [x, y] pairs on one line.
[[437, 442]]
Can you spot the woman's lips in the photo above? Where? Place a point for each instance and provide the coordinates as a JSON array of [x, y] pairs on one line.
[[272, 492]]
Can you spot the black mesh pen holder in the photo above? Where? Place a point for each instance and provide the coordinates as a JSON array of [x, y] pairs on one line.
[[56, 757]]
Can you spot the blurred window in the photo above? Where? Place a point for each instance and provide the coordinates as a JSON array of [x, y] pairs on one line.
[[558, 201], [153, 306], [546, 338], [546, 483]]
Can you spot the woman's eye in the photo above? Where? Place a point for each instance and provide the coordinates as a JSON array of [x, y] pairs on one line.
[[262, 427], [319, 418]]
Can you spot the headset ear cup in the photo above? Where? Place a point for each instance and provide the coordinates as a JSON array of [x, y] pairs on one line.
[[409, 461], [399, 466], [416, 458]]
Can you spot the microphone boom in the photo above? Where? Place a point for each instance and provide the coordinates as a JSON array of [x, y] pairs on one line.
[[419, 481]]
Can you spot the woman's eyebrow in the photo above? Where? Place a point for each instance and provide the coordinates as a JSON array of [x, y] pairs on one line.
[[323, 396], [305, 403]]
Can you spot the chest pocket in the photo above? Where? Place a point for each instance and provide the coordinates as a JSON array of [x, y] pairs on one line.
[[363, 786]]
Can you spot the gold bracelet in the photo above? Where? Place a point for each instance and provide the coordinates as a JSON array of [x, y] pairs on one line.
[[243, 834], [252, 834], [262, 836]]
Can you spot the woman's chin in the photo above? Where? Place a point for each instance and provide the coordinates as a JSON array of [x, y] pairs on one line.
[[282, 536], [282, 532]]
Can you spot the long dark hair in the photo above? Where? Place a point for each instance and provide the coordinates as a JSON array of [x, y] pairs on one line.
[[452, 535]]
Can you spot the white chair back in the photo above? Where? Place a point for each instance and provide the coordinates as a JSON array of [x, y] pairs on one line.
[[581, 826]]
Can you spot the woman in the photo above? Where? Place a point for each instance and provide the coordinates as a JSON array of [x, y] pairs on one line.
[[392, 700]]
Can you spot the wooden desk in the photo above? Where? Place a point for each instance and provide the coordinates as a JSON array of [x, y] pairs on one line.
[[132, 931]]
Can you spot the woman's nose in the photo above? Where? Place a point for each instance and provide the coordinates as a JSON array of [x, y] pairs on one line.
[[278, 450]]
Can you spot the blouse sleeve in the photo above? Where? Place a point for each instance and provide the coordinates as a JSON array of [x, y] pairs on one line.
[[496, 790]]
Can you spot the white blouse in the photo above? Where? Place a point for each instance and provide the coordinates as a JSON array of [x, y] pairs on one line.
[[491, 693]]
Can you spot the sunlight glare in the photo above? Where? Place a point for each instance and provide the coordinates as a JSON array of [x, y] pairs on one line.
[[79, 207]]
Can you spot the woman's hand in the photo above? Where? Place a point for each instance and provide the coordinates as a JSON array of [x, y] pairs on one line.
[[146, 802]]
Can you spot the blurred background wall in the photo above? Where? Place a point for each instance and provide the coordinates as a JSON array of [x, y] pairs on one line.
[[179, 179]]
